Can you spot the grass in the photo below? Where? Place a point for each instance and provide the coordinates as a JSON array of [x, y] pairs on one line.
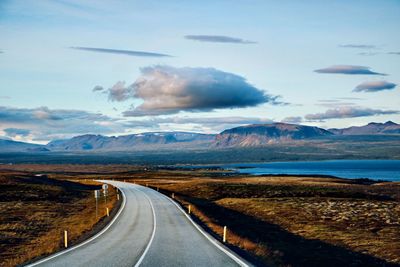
[[37, 210]]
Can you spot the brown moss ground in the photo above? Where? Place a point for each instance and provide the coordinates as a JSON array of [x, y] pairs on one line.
[[37, 210]]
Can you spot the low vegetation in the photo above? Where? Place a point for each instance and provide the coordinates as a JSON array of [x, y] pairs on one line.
[[37, 209]]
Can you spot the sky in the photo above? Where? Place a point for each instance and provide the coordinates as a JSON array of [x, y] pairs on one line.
[[94, 67]]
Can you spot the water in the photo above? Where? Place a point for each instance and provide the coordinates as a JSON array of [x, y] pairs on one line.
[[388, 170]]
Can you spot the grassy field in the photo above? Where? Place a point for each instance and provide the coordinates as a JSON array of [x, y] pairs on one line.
[[274, 221], [36, 211]]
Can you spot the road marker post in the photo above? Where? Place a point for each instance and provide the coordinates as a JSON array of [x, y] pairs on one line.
[[96, 196], [189, 209], [108, 212], [173, 195], [65, 239], [224, 236], [158, 189], [118, 197]]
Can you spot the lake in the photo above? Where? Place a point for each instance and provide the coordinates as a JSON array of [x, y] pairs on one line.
[[388, 170]]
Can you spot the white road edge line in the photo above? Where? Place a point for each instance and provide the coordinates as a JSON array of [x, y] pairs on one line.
[[211, 239], [153, 233], [87, 241]]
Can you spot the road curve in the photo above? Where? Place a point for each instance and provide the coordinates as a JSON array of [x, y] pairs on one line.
[[149, 230]]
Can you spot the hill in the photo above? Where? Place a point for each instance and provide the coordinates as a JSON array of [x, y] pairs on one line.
[[263, 134]]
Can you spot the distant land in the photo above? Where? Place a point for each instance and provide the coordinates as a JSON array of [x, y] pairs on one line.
[[249, 136], [250, 143], [388, 127]]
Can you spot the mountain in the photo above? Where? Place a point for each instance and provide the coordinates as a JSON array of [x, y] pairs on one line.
[[152, 140], [14, 146], [263, 134], [372, 128]]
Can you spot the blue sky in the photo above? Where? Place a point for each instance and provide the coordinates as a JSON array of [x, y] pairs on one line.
[[264, 70]]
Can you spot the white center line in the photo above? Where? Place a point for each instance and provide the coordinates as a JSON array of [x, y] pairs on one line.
[[152, 235]]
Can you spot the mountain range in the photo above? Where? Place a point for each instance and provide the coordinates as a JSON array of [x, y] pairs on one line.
[[143, 141], [256, 135], [388, 127]]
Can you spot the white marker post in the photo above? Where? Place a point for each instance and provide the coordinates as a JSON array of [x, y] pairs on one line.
[[224, 236], [189, 209], [97, 196], [65, 238], [173, 195], [105, 192], [108, 212]]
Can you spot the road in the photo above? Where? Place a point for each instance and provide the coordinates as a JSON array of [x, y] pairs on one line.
[[149, 230]]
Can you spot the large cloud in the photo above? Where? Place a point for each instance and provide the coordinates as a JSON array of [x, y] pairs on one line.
[[168, 90], [348, 69], [374, 86], [348, 112], [120, 52], [218, 39]]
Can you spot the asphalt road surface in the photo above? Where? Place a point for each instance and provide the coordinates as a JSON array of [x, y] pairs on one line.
[[149, 230]]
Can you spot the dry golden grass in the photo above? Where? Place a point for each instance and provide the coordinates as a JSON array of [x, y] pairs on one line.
[[35, 215]]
